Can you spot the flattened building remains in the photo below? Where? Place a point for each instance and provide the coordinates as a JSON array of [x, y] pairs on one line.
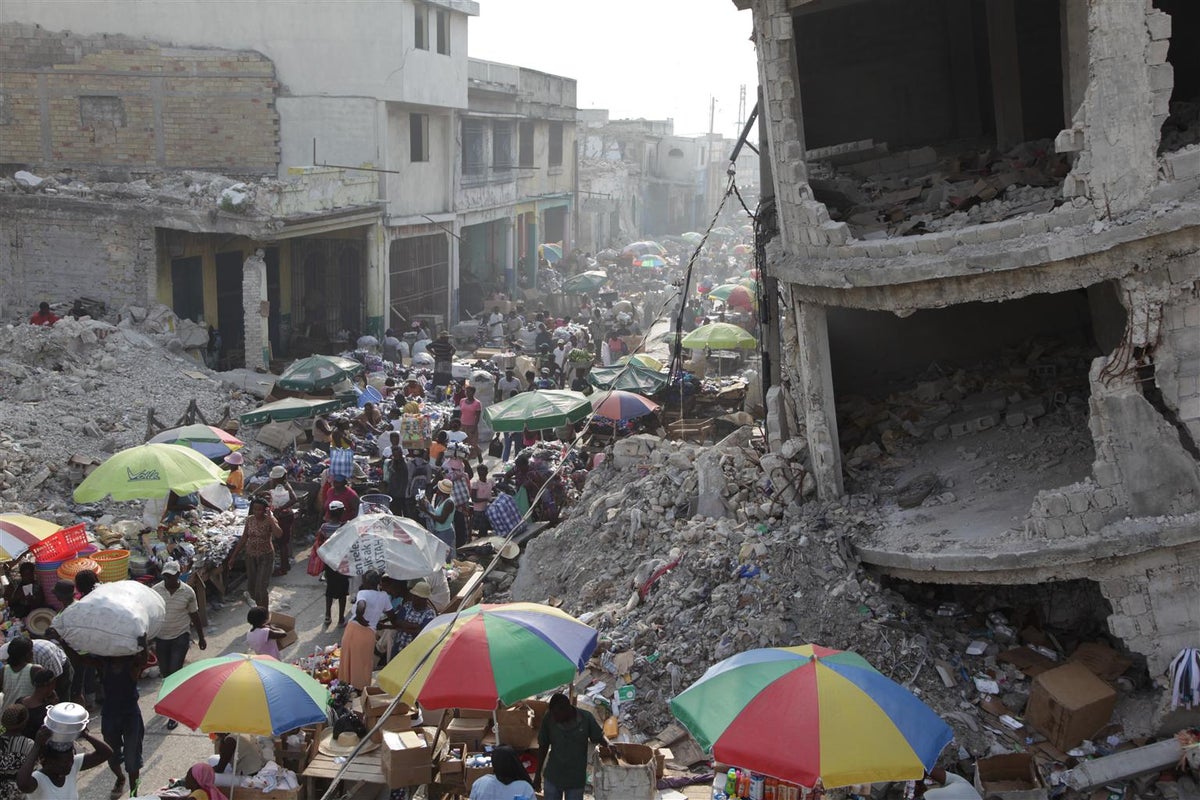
[[989, 245]]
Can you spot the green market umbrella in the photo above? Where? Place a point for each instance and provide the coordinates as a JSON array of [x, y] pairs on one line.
[[719, 336], [585, 281], [147, 472], [290, 408], [723, 291], [317, 372], [635, 377], [537, 411]]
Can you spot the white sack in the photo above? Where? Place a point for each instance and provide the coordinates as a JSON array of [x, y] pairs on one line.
[[109, 621]]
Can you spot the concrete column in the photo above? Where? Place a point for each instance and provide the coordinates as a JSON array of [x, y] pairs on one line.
[[452, 283], [1073, 26], [255, 312], [1006, 73], [378, 283], [817, 399], [510, 247]]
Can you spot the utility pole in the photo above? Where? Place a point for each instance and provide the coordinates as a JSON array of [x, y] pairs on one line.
[[712, 114], [741, 119]]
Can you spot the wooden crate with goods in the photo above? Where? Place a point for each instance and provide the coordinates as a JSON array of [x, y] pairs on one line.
[[475, 766], [295, 750], [1012, 776], [450, 765], [696, 431], [631, 776], [1069, 704], [406, 758], [375, 702]]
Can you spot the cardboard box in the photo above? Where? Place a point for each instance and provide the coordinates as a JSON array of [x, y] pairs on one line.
[[450, 769], [406, 758], [514, 727], [1069, 704], [399, 777], [1101, 659], [288, 624], [1013, 776], [472, 774], [470, 731]]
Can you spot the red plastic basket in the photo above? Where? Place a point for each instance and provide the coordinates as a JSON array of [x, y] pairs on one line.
[[61, 545]]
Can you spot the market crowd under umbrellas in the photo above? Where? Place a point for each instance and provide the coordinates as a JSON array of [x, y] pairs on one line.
[[393, 485]]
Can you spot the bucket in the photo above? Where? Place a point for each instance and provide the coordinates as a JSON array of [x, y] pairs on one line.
[[114, 565], [47, 575], [375, 504]]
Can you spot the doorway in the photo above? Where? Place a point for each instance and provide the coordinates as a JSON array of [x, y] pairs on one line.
[[230, 311], [187, 288]]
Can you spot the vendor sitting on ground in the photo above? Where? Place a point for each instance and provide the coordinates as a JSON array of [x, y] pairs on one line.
[[201, 784], [24, 594]]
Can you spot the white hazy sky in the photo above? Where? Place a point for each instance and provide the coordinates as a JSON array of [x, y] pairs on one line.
[[637, 58]]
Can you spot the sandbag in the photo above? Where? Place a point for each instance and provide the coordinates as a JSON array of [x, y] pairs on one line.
[[109, 621]]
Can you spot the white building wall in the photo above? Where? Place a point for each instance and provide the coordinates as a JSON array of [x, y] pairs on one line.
[[345, 129], [418, 187], [359, 48]]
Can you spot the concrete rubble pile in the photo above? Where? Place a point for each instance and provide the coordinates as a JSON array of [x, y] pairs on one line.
[[881, 194], [189, 188], [79, 391]]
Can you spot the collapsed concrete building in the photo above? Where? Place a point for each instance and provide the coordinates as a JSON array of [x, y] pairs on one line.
[[988, 258]]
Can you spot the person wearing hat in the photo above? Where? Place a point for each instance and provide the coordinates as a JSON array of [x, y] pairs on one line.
[[546, 381], [183, 612], [258, 544], [337, 582], [340, 491], [283, 500], [235, 480], [443, 352], [441, 514]]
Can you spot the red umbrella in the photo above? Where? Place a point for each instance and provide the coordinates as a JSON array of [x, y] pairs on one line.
[[740, 298]]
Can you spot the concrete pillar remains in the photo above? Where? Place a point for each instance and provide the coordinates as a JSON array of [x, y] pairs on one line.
[[1006, 73], [256, 312], [1073, 33], [378, 283], [819, 411]]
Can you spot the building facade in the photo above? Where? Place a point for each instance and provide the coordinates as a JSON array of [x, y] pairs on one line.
[[997, 195]]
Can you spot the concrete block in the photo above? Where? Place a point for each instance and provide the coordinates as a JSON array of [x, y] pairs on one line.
[[1159, 25], [1183, 164], [991, 419], [1189, 408], [1191, 315], [1056, 503], [1054, 529], [1078, 501], [1156, 51], [1069, 141], [1176, 615], [1161, 102], [1014, 419], [1093, 520], [1032, 408], [1184, 270], [1104, 499], [1162, 76], [1135, 604], [1074, 525], [1121, 626]]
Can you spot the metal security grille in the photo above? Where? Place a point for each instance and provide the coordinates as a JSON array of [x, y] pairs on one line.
[[419, 268], [474, 155]]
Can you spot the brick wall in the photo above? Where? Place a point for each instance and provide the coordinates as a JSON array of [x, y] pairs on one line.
[[101, 101], [1177, 357], [56, 251]]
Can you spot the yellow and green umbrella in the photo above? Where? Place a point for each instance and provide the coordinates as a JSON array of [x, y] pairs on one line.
[[148, 472], [489, 654], [643, 359], [807, 714], [719, 336], [257, 695]]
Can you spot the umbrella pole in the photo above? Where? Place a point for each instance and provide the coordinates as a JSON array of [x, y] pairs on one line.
[[237, 743]]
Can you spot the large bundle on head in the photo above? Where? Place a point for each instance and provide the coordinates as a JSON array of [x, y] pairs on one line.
[[109, 621]]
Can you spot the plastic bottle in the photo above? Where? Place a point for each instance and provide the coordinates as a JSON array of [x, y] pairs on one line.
[[757, 787], [770, 788], [731, 779], [743, 790], [611, 728]]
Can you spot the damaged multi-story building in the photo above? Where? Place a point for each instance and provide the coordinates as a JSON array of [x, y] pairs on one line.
[[987, 255], [289, 179]]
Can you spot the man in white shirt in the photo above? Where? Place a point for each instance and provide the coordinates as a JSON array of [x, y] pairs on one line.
[[174, 639], [508, 386], [496, 325], [560, 356]]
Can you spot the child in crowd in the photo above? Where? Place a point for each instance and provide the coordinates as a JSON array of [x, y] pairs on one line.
[[263, 637]]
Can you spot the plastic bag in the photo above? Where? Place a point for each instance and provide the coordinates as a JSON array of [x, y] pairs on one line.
[[315, 565], [110, 620]]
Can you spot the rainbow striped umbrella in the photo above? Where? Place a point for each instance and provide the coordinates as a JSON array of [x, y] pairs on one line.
[[807, 714], [18, 533], [649, 260], [491, 653], [616, 405], [258, 695]]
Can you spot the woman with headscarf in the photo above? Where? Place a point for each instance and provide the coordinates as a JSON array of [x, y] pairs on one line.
[[283, 498], [201, 782], [14, 748], [508, 781], [358, 641]]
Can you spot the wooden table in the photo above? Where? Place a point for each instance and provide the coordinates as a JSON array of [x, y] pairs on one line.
[[365, 769]]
